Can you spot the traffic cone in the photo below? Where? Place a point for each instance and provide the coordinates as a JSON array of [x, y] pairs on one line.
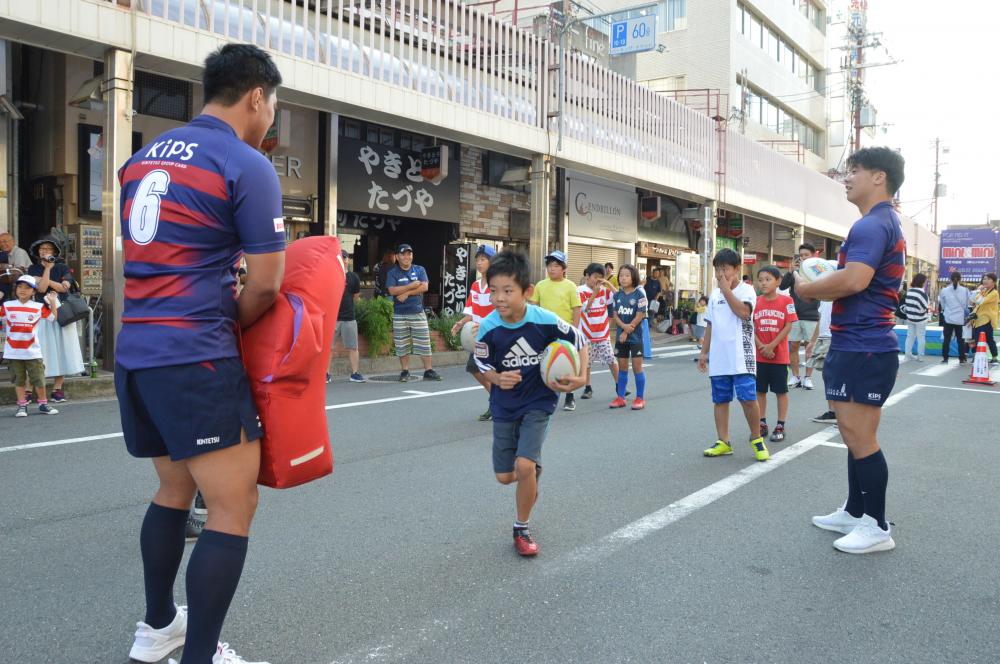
[[980, 365]]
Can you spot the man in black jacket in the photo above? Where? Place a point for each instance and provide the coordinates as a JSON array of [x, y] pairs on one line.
[[802, 330]]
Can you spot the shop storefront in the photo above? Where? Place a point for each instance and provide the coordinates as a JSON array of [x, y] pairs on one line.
[[601, 223], [383, 200], [663, 234]]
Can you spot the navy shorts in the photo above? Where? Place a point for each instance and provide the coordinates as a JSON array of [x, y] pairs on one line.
[[744, 385], [772, 377], [522, 437], [187, 409], [628, 349], [865, 378]]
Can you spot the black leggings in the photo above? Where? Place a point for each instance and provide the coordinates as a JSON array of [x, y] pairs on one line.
[[949, 329], [988, 329]]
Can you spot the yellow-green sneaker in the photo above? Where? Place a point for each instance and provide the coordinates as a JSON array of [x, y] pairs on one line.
[[721, 448], [760, 449]]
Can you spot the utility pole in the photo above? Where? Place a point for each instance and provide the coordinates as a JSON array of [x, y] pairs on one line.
[[858, 80], [937, 178]]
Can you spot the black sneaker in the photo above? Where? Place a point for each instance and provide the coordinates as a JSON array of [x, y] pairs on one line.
[[430, 374], [570, 403], [200, 508], [404, 376], [487, 416], [46, 409], [588, 393], [778, 435], [829, 417], [944, 360]]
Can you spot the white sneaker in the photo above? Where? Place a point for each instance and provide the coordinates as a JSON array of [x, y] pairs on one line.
[[807, 382], [793, 381], [226, 655], [866, 537], [839, 521], [152, 645]]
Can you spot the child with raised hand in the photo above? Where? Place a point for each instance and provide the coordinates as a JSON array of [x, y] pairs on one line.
[[728, 353]]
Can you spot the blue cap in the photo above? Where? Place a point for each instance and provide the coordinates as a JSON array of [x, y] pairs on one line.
[[486, 250], [403, 248], [556, 256]]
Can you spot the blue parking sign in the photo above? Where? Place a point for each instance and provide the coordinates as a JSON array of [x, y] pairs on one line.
[[619, 34]]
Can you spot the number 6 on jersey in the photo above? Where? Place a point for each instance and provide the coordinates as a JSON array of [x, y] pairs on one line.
[[145, 216]]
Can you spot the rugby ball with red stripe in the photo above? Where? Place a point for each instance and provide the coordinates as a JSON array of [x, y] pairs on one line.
[[559, 360]]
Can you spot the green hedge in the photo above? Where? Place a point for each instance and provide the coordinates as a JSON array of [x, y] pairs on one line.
[[375, 324]]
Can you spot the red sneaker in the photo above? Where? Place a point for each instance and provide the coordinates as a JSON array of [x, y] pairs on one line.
[[524, 543], [638, 404], [618, 403]]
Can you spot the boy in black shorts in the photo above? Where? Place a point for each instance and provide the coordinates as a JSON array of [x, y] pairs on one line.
[[773, 318], [507, 351]]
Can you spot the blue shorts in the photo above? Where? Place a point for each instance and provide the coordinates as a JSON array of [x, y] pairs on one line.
[[744, 385], [865, 378], [522, 437], [187, 409]]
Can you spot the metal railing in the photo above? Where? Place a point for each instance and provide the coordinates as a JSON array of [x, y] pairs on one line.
[[464, 56]]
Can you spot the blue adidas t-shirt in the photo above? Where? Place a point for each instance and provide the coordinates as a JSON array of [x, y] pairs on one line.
[[503, 346], [628, 306]]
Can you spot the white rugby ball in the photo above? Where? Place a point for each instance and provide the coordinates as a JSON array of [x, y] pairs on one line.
[[559, 360], [816, 268], [468, 337]]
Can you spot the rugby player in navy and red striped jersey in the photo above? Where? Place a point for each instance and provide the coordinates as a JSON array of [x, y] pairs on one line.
[[195, 201], [861, 366]]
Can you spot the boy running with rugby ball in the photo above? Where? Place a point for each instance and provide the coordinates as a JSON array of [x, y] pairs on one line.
[[507, 351]]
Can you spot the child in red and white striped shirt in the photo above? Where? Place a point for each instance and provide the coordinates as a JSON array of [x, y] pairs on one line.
[[597, 294], [21, 350]]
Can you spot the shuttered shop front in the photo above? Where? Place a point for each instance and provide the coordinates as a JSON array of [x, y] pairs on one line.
[[582, 255]]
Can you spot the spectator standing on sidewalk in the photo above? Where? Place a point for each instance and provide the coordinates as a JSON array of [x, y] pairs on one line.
[[803, 328], [987, 313], [407, 284], [347, 324], [917, 309], [954, 302]]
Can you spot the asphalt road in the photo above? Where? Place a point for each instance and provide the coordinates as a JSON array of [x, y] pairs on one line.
[[650, 552]]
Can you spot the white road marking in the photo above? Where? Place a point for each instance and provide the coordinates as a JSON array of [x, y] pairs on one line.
[[415, 392], [679, 353], [660, 519], [421, 395], [938, 369], [899, 396], [960, 389], [830, 443], [67, 441]]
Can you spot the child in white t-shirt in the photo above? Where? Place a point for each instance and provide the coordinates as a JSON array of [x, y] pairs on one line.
[[729, 355]]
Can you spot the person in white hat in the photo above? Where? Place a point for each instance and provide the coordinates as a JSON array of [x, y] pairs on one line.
[[21, 315]]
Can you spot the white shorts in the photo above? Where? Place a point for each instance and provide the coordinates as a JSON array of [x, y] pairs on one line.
[[802, 331], [601, 353]]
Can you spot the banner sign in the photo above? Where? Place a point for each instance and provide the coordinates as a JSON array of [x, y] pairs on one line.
[[456, 278], [386, 180], [971, 252]]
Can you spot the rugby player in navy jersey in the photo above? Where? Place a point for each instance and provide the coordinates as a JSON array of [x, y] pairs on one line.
[[194, 201], [861, 366]]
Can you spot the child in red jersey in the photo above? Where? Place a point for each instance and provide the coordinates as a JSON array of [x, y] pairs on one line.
[[772, 322]]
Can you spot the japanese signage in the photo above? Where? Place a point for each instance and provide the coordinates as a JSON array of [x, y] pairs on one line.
[[364, 222], [455, 280], [971, 252], [434, 163], [386, 180], [603, 211]]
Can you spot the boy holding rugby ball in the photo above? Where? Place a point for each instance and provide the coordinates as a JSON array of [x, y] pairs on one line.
[[507, 352]]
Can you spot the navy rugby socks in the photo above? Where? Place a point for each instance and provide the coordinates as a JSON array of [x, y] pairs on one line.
[[873, 477], [161, 541], [212, 576]]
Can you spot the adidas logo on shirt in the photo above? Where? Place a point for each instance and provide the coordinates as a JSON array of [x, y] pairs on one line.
[[521, 354]]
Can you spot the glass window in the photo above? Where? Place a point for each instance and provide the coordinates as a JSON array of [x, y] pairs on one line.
[[162, 97], [670, 11], [371, 135], [787, 56], [755, 31]]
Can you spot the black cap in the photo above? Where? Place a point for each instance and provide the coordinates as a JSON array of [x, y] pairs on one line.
[[403, 248]]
